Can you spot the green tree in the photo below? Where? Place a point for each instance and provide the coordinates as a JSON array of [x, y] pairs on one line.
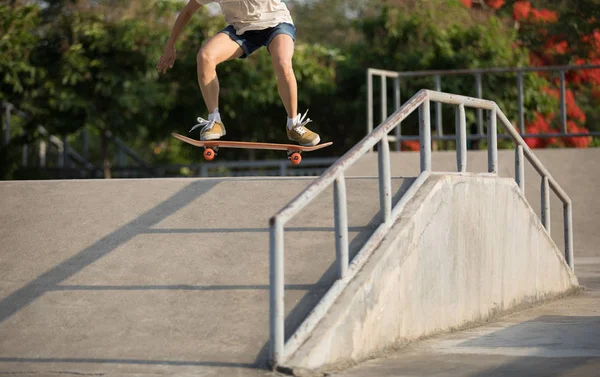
[[100, 75], [17, 27], [438, 35]]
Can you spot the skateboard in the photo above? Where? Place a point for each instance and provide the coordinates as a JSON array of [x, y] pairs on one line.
[[211, 147]]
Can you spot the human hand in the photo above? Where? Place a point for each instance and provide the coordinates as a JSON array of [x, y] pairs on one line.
[[167, 59]]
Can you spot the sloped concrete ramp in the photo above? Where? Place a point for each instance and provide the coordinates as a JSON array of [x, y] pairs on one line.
[[161, 276], [466, 248]]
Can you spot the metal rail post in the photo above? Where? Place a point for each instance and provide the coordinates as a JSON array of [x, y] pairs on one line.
[[369, 103], [277, 290], [563, 103], [568, 223], [425, 135], [461, 139], [479, 91], [492, 130], [341, 224], [65, 154], [384, 113], [438, 108], [398, 129], [545, 189], [385, 181], [520, 168], [7, 110], [42, 154], [25, 154], [520, 102]]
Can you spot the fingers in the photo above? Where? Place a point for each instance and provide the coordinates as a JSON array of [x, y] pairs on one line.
[[161, 64], [165, 63]]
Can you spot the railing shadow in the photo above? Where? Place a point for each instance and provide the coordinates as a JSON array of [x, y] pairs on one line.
[[51, 279]]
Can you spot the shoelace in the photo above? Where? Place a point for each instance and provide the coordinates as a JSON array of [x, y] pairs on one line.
[[302, 121], [208, 124]]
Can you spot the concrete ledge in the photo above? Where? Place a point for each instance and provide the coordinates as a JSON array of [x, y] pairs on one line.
[[465, 248]]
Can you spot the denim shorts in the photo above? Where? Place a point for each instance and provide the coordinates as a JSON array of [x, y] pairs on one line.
[[252, 40]]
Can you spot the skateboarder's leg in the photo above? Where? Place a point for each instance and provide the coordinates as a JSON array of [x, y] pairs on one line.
[[216, 50], [282, 51]]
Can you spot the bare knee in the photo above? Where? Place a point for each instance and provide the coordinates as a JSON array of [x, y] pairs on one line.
[[206, 60], [283, 66]]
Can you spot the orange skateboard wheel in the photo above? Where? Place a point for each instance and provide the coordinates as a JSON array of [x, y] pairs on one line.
[[209, 154], [295, 158]]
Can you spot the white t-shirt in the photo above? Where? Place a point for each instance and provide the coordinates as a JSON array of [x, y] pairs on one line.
[[247, 15]]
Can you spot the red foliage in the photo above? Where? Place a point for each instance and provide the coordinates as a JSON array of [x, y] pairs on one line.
[[536, 60], [466, 3], [594, 41], [573, 111], [577, 142], [521, 10], [546, 54], [556, 47], [539, 125], [411, 145], [496, 4], [543, 15]]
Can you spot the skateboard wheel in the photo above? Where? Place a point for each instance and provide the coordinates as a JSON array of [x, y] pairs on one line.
[[295, 158], [209, 154]]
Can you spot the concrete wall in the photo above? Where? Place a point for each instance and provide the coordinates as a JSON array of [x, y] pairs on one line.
[[466, 248]]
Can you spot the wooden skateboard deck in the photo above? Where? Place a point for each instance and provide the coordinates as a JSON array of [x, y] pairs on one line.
[[211, 146]]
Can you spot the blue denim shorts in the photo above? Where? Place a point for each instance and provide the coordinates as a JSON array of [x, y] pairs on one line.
[[252, 40]]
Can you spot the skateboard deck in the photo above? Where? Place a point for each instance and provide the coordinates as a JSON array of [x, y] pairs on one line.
[[211, 146]]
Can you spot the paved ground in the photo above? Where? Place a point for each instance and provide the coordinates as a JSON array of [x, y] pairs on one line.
[[170, 277], [561, 338], [157, 276]]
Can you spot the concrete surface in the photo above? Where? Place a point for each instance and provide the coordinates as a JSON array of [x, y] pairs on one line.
[[97, 278], [466, 248], [558, 339], [555, 339], [165, 276]]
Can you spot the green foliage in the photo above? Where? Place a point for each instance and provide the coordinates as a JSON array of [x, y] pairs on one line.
[[446, 36], [18, 38], [73, 64]]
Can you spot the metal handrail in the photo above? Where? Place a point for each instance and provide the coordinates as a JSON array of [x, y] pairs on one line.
[[455, 72], [64, 148], [478, 73], [279, 349]]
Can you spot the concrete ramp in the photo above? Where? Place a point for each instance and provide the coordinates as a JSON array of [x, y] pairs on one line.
[[158, 276], [465, 249]]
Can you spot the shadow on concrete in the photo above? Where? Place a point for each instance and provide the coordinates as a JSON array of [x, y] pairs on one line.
[[181, 287], [550, 336], [50, 280], [246, 230], [549, 346], [533, 366], [124, 361]]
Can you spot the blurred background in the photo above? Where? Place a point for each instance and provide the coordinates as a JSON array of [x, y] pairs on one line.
[[81, 97]]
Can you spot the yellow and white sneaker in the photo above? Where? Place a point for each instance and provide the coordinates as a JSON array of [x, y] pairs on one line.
[[296, 131], [211, 129]]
